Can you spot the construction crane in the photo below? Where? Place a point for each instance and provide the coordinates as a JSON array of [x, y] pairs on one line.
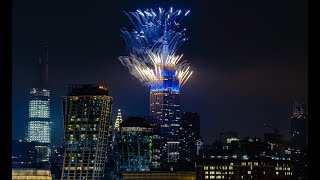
[[275, 130], [275, 140]]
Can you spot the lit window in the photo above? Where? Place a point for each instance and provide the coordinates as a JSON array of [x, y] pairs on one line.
[[249, 172], [277, 173]]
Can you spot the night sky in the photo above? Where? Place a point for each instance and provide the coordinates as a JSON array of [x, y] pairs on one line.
[[249, 59]]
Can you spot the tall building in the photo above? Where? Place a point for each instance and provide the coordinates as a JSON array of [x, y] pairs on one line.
[[39, 116], [38, 126], [190, 135], [165, 109], [134, 145], [118, 121], [87, 131], [299, 127], [155, 45], [299, 139]]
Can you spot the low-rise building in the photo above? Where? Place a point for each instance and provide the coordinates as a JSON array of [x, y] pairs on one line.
[[27, 174]]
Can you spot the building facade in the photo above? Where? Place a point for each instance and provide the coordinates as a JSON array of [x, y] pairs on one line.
[[234, 168], [134, 145], [190, 137], [38, 127], [87, 131], [160, 175], [244, 159], [40, 174], [157, 142]]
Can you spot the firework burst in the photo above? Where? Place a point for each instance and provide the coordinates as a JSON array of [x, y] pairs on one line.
[[152, 44]]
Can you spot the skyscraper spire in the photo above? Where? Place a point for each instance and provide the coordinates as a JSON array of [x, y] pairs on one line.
[[43, 66], [47, 63], [118, 121]]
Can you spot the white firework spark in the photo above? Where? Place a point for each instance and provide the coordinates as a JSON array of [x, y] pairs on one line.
[[153, 44]]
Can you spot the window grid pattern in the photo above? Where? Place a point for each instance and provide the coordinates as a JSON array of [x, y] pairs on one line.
[[165, 109], [87, 128], [38, 127], [39, 131], [245, 170]]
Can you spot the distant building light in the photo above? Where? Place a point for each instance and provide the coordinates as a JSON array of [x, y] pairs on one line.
[[229, 140]]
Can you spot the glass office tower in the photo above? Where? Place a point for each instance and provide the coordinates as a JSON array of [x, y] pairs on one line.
[[87, 131]]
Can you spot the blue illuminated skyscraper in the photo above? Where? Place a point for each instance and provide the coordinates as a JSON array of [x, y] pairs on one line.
[[165, 110], [152, 44]]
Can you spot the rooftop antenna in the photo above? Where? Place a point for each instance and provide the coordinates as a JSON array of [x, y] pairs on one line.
[[43, 65]]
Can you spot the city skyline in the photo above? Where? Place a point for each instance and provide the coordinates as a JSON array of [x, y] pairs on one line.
[[255, 71]]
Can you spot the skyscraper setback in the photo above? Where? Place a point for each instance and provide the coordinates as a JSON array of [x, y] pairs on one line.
[[38, 126], [87, 131]]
